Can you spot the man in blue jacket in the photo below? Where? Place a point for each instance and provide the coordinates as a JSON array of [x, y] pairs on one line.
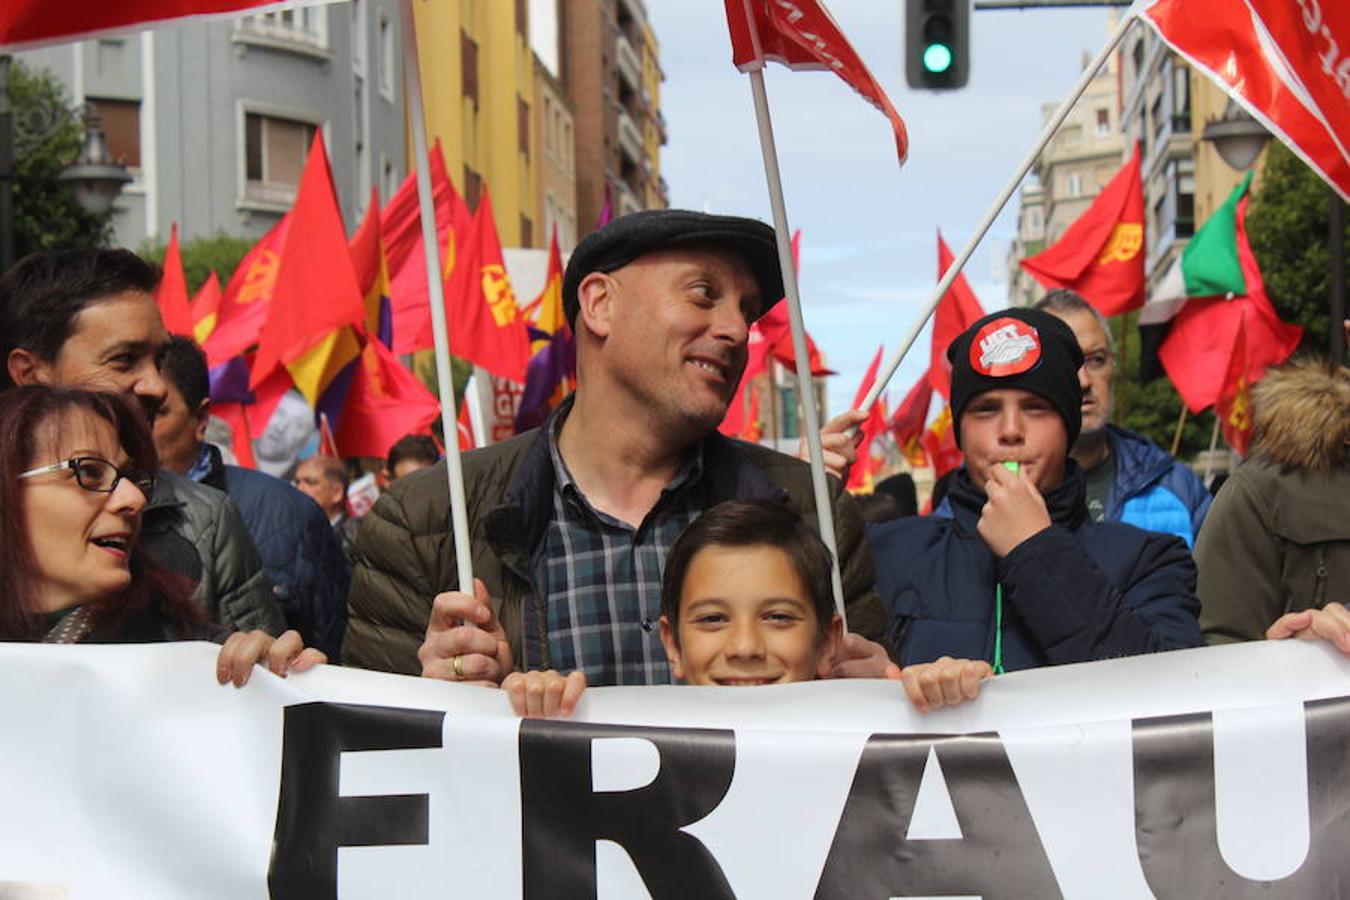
[[1011, 569], [302, 556], [1129, 478]]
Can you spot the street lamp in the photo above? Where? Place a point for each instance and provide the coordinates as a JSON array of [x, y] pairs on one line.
[[95, 177], [1236, 136]]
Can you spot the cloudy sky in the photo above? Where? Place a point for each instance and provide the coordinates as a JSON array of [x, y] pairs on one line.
[[869, 255]]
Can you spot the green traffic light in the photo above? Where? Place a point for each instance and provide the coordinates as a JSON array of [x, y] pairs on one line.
[[937, 58]]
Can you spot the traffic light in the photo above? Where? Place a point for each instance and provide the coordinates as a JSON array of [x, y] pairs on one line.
[[937, 44]]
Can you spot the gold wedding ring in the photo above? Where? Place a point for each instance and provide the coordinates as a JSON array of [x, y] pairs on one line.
[[458, 665]]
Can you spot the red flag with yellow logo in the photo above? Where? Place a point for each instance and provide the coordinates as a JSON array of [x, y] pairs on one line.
[[485, 323], [1101, 256], [908, 421], [1234, 406], [939, 442], [243, 309]]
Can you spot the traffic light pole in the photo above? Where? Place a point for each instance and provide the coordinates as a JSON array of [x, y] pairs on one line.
[[1047, 133]]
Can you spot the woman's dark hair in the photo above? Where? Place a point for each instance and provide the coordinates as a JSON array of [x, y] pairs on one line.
[[751, 523], [41, 295], [23, 412]]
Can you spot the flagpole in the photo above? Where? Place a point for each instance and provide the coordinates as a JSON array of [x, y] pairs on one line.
[[454, 472], [805, 390], [1047, 133], [1213, 445], [1181, 424]]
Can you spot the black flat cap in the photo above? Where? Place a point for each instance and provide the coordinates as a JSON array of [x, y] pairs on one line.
[[637, 234]]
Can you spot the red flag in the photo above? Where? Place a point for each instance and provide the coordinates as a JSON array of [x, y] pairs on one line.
[[385, 402], [958, 309], [369, 262], [860, 476], [249, 420], [316, 289], [1234, 406], [1285, 62], [939, 443], [401, 225], [908, 421], [1101, 256], [464, 428], [172, 295], [248, 296], [26, 23], [1198, 348], [485, 323], [803, 35], [205, 306], [738, 422]]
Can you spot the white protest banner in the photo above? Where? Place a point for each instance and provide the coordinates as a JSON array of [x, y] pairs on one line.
[[125, 771]]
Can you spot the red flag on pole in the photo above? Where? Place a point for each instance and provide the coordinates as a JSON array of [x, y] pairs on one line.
[[939, 443], [1198, 348], [204, 306], [248, 296], [1234, 406], [385, 402], [861, 475], [1284, 62], [172, 294], [316, 291], [958, 309], [25, 23], [485, 323], [803, 35], [1101, 256], [908, 422]]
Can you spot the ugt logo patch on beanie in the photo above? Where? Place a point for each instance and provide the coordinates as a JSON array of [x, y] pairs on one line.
[[1004, 347]]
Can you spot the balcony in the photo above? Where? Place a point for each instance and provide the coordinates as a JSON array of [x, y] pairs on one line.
[[627, 62], [627, 200], [630, 137]]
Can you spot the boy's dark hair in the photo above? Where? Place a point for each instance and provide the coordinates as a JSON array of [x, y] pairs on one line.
[[751, 523], [419, 447], [42, 293], [185, 365]]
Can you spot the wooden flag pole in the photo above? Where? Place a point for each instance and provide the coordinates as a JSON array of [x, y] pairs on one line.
[[459, 519], [1047, 133], [1181, 423], [805, 390]]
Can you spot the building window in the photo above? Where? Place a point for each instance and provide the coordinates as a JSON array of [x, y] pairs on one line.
[[1103, 123], [526, 232], [387, 57], [1073, 185], [468, 56], [1181, 98], [473, 188], [358, 17], [1185, 186], [523, 127], [122, 128], [274, 156], [305, 26], [1138, 55], [1160, 121], [523, 19], [388, 178]]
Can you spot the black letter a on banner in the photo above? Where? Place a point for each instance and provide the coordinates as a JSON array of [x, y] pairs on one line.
[[563, 816], [1174, 814], [998, 856], [313, 821]]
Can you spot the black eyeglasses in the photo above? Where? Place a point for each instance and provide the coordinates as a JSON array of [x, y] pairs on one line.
[[93, 473]]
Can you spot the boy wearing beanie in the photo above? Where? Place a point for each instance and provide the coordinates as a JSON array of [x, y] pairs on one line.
[[1010, 569]]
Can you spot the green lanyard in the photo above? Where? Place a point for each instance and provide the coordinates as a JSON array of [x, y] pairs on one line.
[[998, 629]]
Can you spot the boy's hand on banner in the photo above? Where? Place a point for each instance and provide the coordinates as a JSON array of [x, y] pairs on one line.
[[1015, 511], [464, 640], [860, 658], [1330, 623], [544, 695], [838, 443], [945, 682]]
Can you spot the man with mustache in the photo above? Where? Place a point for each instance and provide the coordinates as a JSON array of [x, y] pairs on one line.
[[571, 523]]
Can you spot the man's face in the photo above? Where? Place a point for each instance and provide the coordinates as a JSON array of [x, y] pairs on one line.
[[326, 492], [746, 618], [1013, 425], [115, 344], [179, 431], [1099, 366], [677, 330]]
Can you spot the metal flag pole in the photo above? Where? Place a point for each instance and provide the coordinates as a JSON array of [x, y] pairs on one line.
[[824, 512], [459, 519], [1000, 201]]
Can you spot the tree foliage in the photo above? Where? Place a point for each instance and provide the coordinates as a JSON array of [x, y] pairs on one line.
[[1287, 227], [220, 253], [48, 136]]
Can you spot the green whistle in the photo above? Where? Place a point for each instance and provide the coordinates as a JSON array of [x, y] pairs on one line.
[[1012, 466]]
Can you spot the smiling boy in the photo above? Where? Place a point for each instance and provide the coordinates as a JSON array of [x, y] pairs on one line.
[[1011, 568]]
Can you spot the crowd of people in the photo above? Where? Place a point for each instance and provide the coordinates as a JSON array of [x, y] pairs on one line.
[[626, 541]]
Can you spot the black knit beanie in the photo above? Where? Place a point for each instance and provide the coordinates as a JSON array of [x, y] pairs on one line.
[[1019, 348]]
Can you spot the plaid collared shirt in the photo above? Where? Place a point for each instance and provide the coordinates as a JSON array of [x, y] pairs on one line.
[[604, 579]]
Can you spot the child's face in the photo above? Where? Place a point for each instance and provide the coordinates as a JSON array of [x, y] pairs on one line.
[[746, 618]]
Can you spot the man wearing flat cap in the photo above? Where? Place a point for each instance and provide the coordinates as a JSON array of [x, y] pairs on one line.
[[1011, 569], [570, 523]]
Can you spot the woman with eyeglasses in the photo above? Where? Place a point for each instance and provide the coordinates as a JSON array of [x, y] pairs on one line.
[[76, 470]]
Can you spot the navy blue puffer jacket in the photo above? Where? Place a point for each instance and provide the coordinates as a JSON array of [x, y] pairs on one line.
[[1074, 592]]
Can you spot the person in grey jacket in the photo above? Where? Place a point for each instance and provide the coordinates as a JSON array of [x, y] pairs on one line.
[[88, 318]]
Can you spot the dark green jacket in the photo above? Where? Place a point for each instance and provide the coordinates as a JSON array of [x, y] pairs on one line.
[[405, 554]]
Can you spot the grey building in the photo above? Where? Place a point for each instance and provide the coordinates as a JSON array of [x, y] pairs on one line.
[[215, 118]]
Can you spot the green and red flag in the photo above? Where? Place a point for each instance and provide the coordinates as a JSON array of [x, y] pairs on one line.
[[1101, 255]]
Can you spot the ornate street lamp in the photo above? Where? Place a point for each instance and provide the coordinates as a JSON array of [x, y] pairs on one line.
[[95, 177]]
